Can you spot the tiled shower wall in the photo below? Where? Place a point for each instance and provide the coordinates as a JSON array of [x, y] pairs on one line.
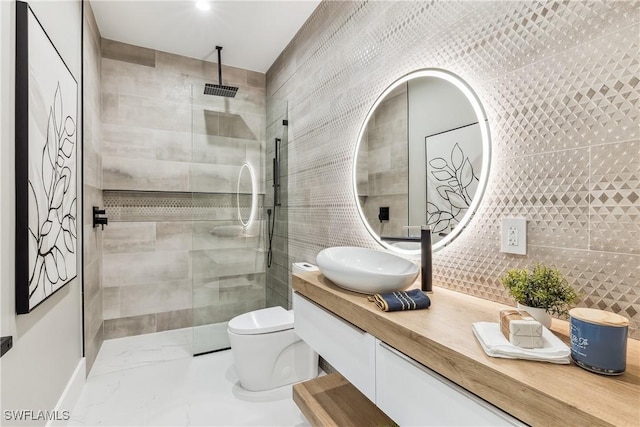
[[560, 83], [382, 159], [92, 169], [174, 260], [175, 254]]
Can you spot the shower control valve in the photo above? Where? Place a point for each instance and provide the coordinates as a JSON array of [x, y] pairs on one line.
[[99, 217]]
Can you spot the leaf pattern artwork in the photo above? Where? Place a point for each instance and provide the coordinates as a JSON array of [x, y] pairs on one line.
[[454, 181], [52, 210], [46, 143]]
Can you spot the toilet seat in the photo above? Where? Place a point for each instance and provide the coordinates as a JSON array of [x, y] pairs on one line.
[[272, 319]]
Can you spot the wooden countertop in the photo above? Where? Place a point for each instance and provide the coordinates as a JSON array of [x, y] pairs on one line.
[[441, 338]]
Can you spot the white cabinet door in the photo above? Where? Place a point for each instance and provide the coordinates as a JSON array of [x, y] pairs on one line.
[[347, 348], [414, 395]]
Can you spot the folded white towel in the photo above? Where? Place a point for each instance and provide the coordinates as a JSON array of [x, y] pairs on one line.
[[495, 344]]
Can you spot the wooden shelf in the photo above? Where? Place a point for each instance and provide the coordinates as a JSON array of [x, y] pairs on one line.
[[322, 401]]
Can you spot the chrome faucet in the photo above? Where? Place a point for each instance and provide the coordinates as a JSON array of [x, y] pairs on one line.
[[425, 258]]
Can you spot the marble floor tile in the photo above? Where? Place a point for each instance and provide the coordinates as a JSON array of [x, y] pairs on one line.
[[141, 350], [142, 381]]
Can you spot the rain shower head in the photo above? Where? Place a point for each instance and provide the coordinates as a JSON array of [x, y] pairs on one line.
[[220, 89]]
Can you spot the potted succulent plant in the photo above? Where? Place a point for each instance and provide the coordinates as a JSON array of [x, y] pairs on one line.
[[541, 292]]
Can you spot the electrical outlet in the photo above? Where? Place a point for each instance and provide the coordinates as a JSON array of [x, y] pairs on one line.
[[514, 236]]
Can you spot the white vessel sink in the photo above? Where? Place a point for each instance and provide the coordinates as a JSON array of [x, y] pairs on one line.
[[407, 245], [365, 270]]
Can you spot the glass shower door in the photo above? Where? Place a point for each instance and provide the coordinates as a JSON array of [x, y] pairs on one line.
[[227, 181], [276, 203]]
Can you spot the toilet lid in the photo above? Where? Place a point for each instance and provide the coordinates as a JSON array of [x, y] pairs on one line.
[[263, 321]]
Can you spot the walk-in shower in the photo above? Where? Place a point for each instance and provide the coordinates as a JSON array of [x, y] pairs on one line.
[[228, 237]]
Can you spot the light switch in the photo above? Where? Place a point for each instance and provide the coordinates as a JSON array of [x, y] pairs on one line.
[[514, 236]]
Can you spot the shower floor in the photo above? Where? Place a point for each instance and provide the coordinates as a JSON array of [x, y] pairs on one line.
[[153, 380]]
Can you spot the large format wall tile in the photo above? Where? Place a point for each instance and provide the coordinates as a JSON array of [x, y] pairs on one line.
[[129, 237], [174, 319], [92, 189], [141, 143], [174, 235], [144, 267], [128, 53], [111, 303], [121, 173], [127, 326], [92, 236], [149, 113], [155, 298], [559, 82], [149, 110], [227, 262], [215, 149], [163, 139], [170, 162], [213, 178]]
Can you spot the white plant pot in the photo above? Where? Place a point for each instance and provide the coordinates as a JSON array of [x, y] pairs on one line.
[[540, 314]]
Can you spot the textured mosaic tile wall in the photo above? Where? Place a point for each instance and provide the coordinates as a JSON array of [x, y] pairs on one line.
[[560, 82], [92, 169]]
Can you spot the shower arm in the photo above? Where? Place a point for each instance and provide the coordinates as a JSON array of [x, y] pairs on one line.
[[219, 48]]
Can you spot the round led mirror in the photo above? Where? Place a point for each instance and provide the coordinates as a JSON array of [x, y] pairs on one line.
[[422, 158]]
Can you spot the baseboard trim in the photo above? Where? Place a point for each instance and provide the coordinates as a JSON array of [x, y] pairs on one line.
[[70, 395]]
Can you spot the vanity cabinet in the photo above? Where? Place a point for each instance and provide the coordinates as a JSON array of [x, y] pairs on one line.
[[412, 394], [408, 392], [347, 348], [441, 340]]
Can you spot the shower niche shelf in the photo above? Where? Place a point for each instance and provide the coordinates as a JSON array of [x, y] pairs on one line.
[[127, 205]]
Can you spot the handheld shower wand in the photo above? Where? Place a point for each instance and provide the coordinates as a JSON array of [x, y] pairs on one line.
[[271, 220]]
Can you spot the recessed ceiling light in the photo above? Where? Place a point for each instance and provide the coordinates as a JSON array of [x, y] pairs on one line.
[[203, 5]]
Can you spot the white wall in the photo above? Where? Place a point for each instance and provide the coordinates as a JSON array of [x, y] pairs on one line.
[[6, 157], [435, 105], [48, 341]]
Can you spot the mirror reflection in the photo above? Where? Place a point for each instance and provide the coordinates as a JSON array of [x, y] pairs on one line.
[[422, 158], [246, 195]]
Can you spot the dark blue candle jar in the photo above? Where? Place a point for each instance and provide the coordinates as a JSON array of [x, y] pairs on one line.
[[599, 340]]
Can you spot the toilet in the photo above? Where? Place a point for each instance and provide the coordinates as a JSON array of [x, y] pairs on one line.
[[267, 352]]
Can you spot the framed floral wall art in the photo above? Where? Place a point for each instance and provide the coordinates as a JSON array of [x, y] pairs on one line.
[[454, 160], [46, 171]]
